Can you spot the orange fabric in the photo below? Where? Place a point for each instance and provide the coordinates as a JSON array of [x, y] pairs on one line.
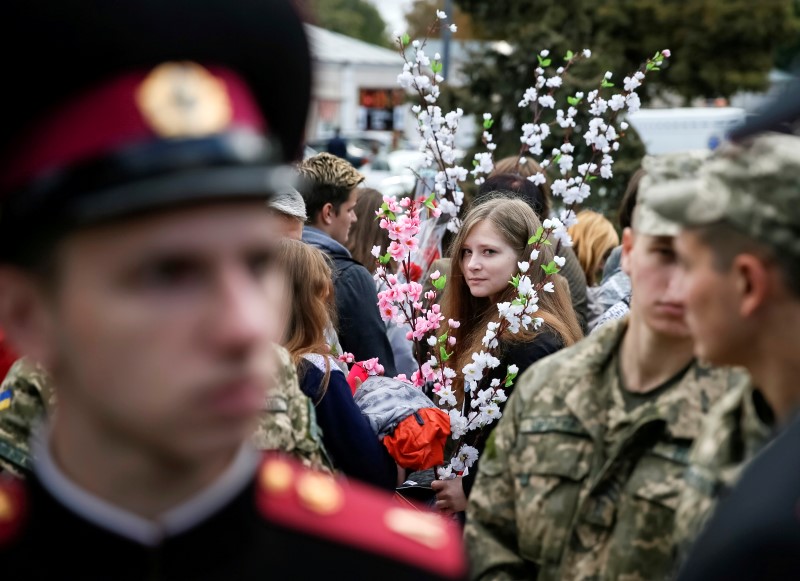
[[419, 447]]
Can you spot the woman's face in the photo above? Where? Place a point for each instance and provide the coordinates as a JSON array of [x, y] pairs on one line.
[[487, 260]]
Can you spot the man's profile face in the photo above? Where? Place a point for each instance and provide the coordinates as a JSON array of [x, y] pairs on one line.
[[162, 326], [651, 263], [712, 310], [344, 218]]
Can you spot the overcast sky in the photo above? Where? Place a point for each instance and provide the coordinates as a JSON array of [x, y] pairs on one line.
[[393, 12]]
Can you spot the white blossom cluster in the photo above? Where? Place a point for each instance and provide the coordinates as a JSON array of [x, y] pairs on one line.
[[573, 184]]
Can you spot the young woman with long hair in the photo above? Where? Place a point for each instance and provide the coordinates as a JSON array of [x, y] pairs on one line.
[[485, 252], [346, 434]]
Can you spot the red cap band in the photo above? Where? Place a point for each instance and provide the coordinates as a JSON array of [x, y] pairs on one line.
[[174, 100]]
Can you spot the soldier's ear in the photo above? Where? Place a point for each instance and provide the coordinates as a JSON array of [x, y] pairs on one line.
[[627, 246], [24, 315], [754, 282]]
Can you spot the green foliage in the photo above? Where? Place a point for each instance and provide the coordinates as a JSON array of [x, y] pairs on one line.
[[356, 18], [718, 47], [440, 282]]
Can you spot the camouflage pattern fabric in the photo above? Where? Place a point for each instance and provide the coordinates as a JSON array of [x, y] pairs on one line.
[[289, 423], [574, 486], [30, 397], [731, 436], [752, 186]]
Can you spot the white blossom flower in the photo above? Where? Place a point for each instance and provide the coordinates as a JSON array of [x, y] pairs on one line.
[[616, 102], [512, 369], [554, 82], [545, 53], [538, 178], [453, 28], [525, 286], [634, 104], [623, 125], [441, 15], [376, 251], [587, 53], [523, 266], [458, 423], [534, 255], [549, 287], [547, 101], [445, 472], [432, 341], [631, 83], [559, 260]]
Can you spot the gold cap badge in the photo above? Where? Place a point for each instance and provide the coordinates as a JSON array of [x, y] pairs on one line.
[[183, 99]]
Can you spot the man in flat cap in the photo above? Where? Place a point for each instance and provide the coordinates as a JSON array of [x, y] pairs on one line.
[[289, 208], [740, 256], [136, 265], [579, 479]]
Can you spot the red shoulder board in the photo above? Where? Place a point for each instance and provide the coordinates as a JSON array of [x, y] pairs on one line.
[[358, 515], [13, 507]]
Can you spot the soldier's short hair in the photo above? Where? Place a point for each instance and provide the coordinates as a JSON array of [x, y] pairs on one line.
[[326, 179], [726, 241]]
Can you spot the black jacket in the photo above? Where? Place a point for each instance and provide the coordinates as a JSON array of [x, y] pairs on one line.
[[362, 332]]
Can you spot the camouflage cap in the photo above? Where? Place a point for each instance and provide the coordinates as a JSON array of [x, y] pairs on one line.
[[754, 186], [664, 175]]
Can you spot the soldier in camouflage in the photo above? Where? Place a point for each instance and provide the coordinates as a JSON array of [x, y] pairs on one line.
[[29, 396], [287, 424], [737, 427], [740, 282], [581, 477]]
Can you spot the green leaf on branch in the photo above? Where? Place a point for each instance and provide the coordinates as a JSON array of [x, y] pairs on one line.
[[429, 201], [550, 269], [443, 354], [405, 39], [439, 283], [487, 123], [436, 66], [536, 237], [574, 100], [547, 242], [569, 55], [385, 258], [514, 281], [606, 83], [510, 379], [443, 338], [543, 62]]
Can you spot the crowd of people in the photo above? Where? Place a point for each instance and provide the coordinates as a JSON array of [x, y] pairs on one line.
[[203, 386]]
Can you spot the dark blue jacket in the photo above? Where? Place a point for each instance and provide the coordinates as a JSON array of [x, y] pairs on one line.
[[346, 433]]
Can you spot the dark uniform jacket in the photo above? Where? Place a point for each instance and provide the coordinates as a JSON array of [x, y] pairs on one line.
[[286, 523]]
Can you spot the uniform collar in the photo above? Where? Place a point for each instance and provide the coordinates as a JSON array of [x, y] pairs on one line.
[[129, 525]]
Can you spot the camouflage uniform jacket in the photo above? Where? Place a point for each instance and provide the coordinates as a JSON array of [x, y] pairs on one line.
[[571, 485], [733, 433], [30, 398], [288, 422]]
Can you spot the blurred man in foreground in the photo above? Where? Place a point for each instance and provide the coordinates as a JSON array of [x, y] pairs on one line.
[[147, 290]]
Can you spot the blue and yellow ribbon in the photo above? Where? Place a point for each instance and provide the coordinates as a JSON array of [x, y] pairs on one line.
[[5, 399]]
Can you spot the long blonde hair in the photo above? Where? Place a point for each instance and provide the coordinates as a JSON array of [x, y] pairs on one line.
[[310, 284], [593, 237], [516, 222]]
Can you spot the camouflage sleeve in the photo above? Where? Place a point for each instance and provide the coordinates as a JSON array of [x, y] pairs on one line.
[[22, 404], [491, 532], [288, 422]]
